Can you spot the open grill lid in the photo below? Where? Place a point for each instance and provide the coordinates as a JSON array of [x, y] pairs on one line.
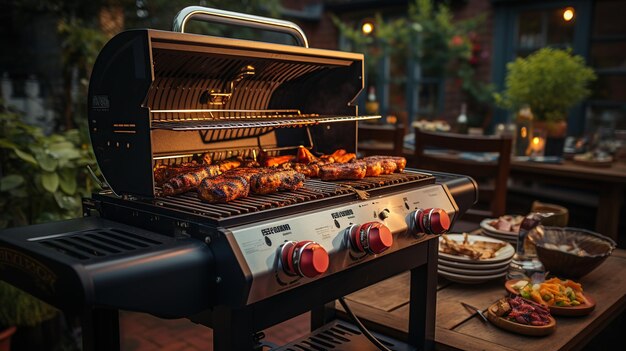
[[157, 94]]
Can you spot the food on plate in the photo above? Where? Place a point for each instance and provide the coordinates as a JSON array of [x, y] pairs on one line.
[[223, 188], [507, 223], [552, 292], [336, 171], [276, 180], [477, 250], [189, 181], [518, 310], [398, 160]]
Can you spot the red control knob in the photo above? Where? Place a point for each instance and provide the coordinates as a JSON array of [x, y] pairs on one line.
[[372, 237], [305, 258], [431, 221]]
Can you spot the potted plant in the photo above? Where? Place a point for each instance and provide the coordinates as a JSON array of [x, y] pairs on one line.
[[549, 81]]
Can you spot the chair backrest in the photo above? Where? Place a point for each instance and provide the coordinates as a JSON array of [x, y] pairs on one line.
[[381, 139], [465, 154]]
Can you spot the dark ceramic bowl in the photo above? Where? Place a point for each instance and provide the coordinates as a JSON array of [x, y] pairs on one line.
[[570, 252]]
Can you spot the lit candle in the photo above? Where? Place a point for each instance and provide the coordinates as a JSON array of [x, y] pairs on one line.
[[537, 145]]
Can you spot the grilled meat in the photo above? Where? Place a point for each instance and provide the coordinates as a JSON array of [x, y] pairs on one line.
[[163, 173], [229, 164], [223, 188], [305, 156], [272, 181], [188, 181], [334, 156], [310, 170], [277, 160], [336, 171], [245, 172], [398, 160], [345, 158], [206, 158], [374, 168]]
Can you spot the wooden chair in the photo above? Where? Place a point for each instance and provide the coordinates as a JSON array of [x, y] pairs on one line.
[[447, 152], [380, 139]]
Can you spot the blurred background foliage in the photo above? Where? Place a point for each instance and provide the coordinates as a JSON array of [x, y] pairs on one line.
[[443, 46]]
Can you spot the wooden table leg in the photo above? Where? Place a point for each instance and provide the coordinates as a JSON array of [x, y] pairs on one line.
[[608, 213]]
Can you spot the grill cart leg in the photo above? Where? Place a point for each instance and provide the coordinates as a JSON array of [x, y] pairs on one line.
[[101, 330], [422, 308], [233, 330]]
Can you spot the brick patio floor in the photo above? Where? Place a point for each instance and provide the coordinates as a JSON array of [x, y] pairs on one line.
[[143, 332]]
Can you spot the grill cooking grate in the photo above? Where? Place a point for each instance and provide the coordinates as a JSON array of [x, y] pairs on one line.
[[89, 244], [313, 190]]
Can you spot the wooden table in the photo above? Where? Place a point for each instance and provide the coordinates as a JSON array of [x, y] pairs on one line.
[[608, 182], [384, 307]]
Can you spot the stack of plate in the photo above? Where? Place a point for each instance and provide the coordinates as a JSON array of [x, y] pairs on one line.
[[462, 269], [490, 231]]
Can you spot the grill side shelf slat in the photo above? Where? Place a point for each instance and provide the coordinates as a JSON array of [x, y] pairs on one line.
[[98, 243]]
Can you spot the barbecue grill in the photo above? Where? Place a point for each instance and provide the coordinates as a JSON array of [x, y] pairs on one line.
[[164, 98]]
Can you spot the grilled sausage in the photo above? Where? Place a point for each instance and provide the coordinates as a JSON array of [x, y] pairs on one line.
[[273, 181], [223, 188], [188, 181], [336, 171], [398, 160]]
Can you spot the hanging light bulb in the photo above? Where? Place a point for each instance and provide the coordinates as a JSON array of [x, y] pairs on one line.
[[367, 27], [568, 14]]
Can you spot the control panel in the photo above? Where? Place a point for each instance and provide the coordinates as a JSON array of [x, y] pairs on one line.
[[291, 251]]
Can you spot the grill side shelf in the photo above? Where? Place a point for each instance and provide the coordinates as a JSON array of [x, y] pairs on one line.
[[93, 261]]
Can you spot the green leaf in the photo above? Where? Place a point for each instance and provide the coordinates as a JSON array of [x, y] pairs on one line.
[[11, 181], [46, 162], [64, 150], [25, 156], [50, 181], [7, 144], [67, 181], [67, 202]]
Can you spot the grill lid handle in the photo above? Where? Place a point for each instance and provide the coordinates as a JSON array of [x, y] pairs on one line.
[[238, 19]]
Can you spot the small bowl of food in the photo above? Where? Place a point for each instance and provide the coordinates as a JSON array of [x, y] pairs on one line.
[[570, 252]]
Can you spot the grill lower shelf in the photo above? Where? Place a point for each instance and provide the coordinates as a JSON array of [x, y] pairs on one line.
[[341, 336]]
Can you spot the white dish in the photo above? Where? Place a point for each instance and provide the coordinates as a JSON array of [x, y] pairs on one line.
[[505, 253], [484, 224], [472, 272], [465, 279], [477, 267]]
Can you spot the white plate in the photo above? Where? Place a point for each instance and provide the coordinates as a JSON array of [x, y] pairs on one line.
[[476, 267], [503, 254], [487, 227], [472, 272], [465, 279]]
